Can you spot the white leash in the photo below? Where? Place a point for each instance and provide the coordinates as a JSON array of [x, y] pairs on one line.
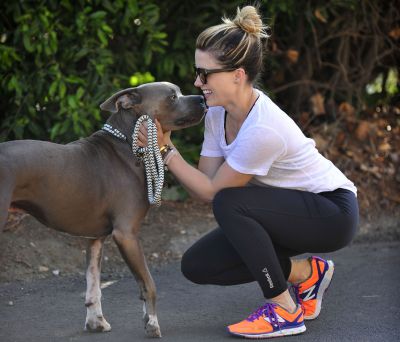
[[152, 159]]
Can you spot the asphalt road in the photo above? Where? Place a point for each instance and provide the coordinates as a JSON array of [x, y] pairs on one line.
[[363, 304]]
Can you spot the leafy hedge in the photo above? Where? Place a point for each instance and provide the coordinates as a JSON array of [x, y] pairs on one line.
[[61, 59]]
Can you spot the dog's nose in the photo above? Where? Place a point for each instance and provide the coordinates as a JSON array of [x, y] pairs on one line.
[[203, 102]]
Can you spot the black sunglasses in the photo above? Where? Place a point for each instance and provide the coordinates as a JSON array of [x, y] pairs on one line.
[[202, 73]]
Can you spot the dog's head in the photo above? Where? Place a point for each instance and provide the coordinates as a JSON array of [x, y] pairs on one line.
[[160, 100]]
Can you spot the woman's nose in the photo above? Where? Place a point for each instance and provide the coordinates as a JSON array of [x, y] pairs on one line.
[[197, 82]]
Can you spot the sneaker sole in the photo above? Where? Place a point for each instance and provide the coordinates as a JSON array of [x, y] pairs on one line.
[[279, 333], [323, 287]]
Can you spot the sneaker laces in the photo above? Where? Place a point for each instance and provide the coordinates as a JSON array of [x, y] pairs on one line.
[[267, 310]]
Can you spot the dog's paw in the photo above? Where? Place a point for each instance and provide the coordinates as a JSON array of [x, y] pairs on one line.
[[151, 326], [99, 324]]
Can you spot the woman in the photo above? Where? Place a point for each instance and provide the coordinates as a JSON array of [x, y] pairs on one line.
[[274, 196]]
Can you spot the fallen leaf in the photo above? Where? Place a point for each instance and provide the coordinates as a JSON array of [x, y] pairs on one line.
[[362, 130], [317, 104], [395, 33], [340, 139], [384, 147], [371, 169], [319, 16], [383, 123], [320, 142], [395, 198], [347, 109], [292, 55]]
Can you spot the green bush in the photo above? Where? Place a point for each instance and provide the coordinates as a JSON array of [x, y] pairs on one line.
[[61, 59]]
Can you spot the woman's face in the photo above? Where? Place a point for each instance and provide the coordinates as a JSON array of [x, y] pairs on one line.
[[220, 86]]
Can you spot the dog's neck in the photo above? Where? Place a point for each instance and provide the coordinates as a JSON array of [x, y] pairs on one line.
[[124, 121]]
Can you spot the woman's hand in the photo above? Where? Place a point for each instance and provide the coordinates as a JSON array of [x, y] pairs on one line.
[[163, 138]]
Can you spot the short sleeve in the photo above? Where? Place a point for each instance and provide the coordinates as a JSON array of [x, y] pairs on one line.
[[256, 151], [211, 147]]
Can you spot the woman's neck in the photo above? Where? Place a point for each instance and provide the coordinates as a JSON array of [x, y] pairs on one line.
[[240, 109], [240, 106]]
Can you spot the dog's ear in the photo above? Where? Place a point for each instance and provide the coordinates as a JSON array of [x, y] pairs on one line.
[[126, 99]]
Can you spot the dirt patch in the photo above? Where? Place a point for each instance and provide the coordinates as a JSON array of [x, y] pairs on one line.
[[29, 250]]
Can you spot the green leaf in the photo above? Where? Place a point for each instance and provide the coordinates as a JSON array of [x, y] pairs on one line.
[[98, 15], [160, 35], [106, 28], [81, 53], [72, 101], [73, 79], [55, 130], [102, 38], [27, 43], [62, 89], [53, 88], [80, 93]]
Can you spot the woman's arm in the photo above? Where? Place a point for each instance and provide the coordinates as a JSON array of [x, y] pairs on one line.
[[210, 165], [205, 186], [214, 174]]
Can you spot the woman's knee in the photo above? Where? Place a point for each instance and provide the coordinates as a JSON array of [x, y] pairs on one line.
[[224, 201], [191, 268], [347, 235]]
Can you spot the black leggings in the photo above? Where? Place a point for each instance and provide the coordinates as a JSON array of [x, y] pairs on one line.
[[260, 228]]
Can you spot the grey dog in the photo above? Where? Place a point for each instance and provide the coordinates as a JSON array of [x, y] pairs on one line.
[[95, 187]]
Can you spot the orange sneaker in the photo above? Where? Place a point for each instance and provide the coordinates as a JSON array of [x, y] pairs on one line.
[[271, 320], [309, 293]]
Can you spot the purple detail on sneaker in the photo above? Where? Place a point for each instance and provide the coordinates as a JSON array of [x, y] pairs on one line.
[[318, 265], [324, 269], [267, 310], [296, 292]]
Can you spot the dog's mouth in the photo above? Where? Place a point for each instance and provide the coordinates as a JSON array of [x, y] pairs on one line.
[[204, 105], [188, 120]]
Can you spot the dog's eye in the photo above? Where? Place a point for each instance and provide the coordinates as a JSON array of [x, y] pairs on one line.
[[174, 97]]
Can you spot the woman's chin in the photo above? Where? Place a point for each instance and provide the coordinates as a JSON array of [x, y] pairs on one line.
[[211, 103]]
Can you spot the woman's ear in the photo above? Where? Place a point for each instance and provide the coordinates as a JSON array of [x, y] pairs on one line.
[[240, 75]]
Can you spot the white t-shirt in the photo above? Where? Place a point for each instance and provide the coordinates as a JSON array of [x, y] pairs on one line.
[[272, 147]]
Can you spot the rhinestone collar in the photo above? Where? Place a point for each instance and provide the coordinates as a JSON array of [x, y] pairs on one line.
[[114, 131]]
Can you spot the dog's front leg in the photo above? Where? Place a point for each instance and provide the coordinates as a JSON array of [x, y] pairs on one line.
[[95, 320], [131, 251]]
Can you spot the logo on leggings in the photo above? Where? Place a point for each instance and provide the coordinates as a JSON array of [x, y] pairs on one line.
[[266, 273]]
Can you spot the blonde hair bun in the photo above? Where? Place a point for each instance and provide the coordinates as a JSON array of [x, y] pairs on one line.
[[237, 43], [249, 21]]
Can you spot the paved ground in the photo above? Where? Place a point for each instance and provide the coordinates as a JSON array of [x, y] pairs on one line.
[[363, 304]]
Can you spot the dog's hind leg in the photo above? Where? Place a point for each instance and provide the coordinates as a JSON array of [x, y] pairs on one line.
[[95, 320], [6, 190], [131, 251]]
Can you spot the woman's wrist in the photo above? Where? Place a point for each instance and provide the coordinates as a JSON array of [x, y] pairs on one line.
[[169, 155], [164, 143], [165, 149]]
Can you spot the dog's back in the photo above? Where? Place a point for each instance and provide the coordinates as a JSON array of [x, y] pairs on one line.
[[60, 184]]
